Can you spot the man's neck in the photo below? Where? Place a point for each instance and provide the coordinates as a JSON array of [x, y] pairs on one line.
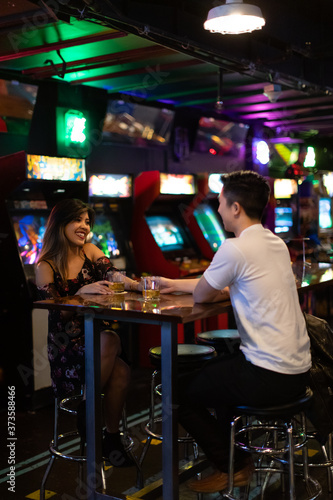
[[244, 224]]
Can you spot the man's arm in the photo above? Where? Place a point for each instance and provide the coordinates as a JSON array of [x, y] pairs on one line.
[[203, 292]]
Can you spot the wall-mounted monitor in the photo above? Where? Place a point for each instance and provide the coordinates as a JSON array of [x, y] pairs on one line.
[[210, 225], [110, 185], [53, 168], [283, 153], [221, 138], [325, 215], [29, 231], [284, 188], [137, 124], [167, 234], [283, 220], [177, 184]]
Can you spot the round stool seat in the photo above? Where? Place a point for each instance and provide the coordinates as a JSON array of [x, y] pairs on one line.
[[225, 341], [280, 411], [187, 354]]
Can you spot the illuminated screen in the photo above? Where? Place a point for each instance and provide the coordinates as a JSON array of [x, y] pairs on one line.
[[52, 168], [137, 124], [29, 232], [111, 185], [215, 183], [210, 226], [325, 215], [284, 188], [221, 138], [177, 184], [328, 183], [166, 234], [283, 154], [104, 238], [283, 219]]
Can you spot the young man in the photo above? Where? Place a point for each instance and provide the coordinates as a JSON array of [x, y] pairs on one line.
[[272, 365]]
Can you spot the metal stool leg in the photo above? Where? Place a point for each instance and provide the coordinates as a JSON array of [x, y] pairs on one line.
[[129, 449], [52, 459], [291, 462], [151, 416]]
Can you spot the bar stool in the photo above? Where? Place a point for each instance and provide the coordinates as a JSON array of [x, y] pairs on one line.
[[327, 457], [281, 437], [224, 341], [189, 357], [69, 405]]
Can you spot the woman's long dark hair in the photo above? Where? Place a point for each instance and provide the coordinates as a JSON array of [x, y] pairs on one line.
[[55, 244]]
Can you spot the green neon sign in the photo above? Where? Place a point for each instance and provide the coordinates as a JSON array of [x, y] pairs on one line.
[[75, 124]]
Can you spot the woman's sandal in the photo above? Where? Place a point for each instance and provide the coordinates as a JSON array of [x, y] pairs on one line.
[[114, 451]]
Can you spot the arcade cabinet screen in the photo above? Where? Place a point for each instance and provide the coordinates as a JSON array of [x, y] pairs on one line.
[[177, 184], [215, 183], [29, 231], [110, 185], [283, 219], [325, 215], [166, 234], [221, 138], [210, 226], [103, 237], [284, 188], [137, 124], [52, 168]]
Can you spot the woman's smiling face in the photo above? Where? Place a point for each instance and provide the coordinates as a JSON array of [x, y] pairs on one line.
[[78, 229]]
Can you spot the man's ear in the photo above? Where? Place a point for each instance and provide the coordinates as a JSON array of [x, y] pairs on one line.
[[236, 208]]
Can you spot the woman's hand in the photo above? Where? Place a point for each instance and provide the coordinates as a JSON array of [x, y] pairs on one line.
[[100, 287]]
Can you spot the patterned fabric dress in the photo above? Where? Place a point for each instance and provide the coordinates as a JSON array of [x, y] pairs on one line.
[[66, 345]]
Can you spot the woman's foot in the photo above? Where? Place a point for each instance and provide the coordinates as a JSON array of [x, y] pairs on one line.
[[114, 452]]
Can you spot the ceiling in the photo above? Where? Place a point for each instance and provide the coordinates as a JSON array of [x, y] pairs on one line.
[[158, 52]]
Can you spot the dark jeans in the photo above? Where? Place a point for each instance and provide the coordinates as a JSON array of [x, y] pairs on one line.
[[222, 384]]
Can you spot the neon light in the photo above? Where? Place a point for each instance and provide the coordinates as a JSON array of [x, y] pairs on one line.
[[262, 152], [310, 159]]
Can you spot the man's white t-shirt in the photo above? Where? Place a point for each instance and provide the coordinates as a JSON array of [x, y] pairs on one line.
[[256, 267]]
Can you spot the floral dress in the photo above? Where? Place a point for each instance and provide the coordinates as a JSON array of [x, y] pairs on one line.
[[66, 345]]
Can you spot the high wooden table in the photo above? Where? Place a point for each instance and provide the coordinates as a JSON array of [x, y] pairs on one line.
[[170, 311]]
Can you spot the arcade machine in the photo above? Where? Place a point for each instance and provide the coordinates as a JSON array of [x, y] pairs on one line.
[[285, 191], [162, 242], [29, 185], [111, 196], [325, 229], [207, 228], [202, 216]]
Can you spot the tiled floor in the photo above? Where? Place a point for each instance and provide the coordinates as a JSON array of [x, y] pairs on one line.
[[34, 431]]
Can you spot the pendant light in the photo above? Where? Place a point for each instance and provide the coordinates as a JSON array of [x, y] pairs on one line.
[[234, 17]]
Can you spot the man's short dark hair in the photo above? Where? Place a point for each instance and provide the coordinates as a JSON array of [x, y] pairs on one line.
[[249, 189]]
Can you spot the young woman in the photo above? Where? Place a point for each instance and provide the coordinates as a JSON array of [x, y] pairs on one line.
[[69, 266]]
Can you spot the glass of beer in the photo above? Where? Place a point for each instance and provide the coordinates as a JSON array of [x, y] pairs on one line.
[[116, 281], [150, 287]]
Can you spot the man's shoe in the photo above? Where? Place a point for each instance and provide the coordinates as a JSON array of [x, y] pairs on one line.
[[218, 481]]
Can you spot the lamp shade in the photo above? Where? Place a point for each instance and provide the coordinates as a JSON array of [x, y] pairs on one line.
[[234, 17]]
